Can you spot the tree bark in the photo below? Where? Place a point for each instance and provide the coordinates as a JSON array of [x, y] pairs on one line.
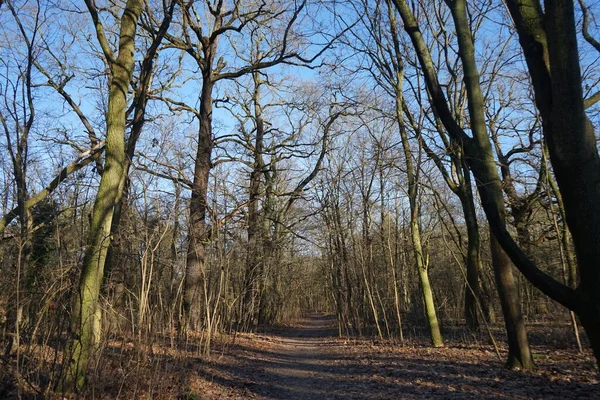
[[420, 259], [196, 254], [473, 259], [86, 310], [480, 158]]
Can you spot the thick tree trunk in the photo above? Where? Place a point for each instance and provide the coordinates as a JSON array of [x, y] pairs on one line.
[[195, 272], [519, 353], [549, 41]]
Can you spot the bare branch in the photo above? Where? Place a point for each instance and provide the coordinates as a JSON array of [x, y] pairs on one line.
[[100, 34], [586, 25], [82, 160]]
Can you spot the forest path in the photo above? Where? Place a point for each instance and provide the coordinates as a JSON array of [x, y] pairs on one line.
[[300, 363], [309, 361]]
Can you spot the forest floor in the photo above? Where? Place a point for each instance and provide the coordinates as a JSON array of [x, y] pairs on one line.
[[307, 360]]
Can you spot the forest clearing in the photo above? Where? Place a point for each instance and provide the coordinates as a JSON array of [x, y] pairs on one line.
[[299, 199]]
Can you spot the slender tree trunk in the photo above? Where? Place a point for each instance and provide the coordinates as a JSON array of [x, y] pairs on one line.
[[420, 258], [412, 173], [395, 262], [251, 307], [86, 310], [422, 268], [473, 261]]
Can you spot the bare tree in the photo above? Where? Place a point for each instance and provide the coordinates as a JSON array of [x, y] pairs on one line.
[[481, 161], [548, 38], [200, 38], [86, 313]]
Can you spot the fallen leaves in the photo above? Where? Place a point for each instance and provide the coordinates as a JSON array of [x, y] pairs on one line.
[[305, 360]]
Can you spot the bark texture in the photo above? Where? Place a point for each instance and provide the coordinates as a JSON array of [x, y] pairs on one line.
[[86, 312]]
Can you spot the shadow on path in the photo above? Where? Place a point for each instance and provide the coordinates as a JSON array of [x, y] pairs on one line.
[[310, 362]]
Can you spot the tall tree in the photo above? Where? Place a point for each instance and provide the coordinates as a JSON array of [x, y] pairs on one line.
[[481, 161], [200, 39], [548, 37], [86, 316]]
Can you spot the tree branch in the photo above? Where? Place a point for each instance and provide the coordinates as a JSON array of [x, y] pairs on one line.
[[81, 161]]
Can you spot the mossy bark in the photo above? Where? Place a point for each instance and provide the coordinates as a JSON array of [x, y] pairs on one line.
[[86, 312], [479, 157], [519, 352]]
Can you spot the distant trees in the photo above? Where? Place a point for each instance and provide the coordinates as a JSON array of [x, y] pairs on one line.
[[204, 30]]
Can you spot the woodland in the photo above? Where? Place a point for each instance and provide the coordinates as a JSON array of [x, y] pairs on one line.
[[264, 198]]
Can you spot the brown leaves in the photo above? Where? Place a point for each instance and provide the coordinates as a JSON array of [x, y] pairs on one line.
[[306, 361]]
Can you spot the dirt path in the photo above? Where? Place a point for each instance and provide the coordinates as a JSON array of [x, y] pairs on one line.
[[308, 361], [299, 364]]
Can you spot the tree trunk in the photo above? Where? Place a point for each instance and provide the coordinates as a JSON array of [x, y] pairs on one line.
[[422, 268], [195, 266], [251, 307], [519, 354], [86, 310], [549, 41], [420, 258], [473, 261]]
